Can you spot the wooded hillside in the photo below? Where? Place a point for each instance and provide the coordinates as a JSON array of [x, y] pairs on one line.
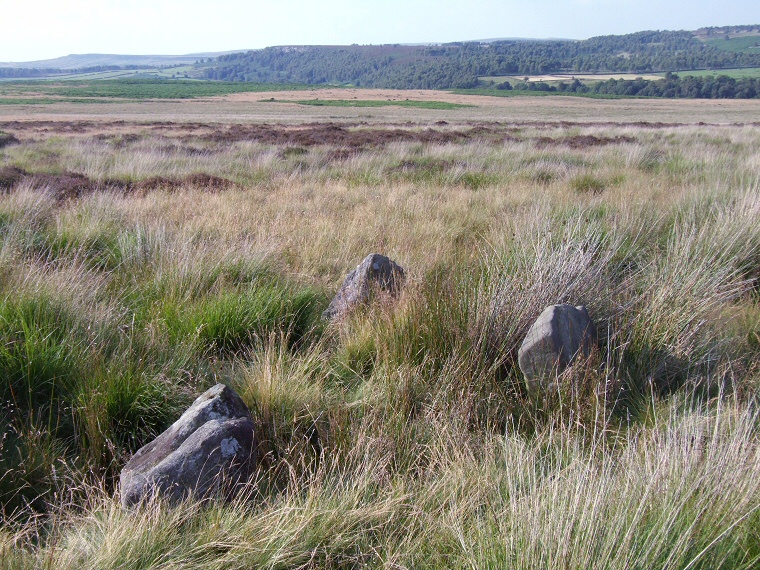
[[460, 65]]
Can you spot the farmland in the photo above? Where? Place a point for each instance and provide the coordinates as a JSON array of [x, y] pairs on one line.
[[154, 246], [570, 77], [135, 89], [751, 72], [741, 43]]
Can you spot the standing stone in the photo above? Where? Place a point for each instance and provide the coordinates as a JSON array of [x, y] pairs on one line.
[[211, 444], [374, 271], [559, 334]]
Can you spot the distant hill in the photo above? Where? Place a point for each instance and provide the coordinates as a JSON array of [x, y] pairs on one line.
[[89, 60], [464, 64], [435, 66], [492, 40]]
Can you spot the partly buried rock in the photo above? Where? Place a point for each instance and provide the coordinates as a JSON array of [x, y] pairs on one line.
[[7, 139], [374, 271], [211, 445], [559, 334], [10, 176]]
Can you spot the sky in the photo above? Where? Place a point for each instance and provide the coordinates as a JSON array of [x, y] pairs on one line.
[[38, 29]]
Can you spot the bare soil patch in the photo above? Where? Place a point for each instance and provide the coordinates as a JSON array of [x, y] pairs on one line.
[[333, 134], [340, 141], [7, 139], [63, 186], [10, 176], [341, 134], [582, 141], [200, 180], [71, 185], [350, 137]]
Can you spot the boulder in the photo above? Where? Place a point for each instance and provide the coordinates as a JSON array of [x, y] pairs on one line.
[[210, 445], [560, 333], [374, 272]]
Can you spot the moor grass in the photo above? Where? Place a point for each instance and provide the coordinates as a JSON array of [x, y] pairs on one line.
[[143, 261]]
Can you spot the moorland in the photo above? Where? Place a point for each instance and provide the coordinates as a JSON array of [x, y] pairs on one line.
[[154, 247]]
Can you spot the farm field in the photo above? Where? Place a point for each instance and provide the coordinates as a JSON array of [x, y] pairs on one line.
[[255, 106], [179, 71], [135, 89], [155, 247], [736, 43], [147, 73], [568, 77], [752, 72], [735, 73]]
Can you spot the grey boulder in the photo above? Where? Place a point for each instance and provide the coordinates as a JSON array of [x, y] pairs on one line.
[[210, 447], [558, 336], [374, 272]]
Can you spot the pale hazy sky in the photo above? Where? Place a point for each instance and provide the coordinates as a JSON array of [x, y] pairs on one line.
[[37, 29]]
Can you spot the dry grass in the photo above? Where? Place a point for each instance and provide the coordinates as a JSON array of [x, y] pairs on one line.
[[248, 108], [404, 436]]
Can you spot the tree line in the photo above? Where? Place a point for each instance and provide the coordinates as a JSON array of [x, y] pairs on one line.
[[671, 86], [460, 65]]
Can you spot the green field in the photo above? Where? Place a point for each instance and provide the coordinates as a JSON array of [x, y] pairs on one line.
[[47, 100], [751, 72], [163, 89], [182, 72], [140, 88], [742, 43]]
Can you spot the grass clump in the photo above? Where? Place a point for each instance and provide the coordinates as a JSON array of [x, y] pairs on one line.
[[233, 322], [587, 184], [42, 352]]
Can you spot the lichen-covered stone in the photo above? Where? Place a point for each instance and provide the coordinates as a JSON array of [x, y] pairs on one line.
[[375, 271], [211, 444], [560, 333]]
